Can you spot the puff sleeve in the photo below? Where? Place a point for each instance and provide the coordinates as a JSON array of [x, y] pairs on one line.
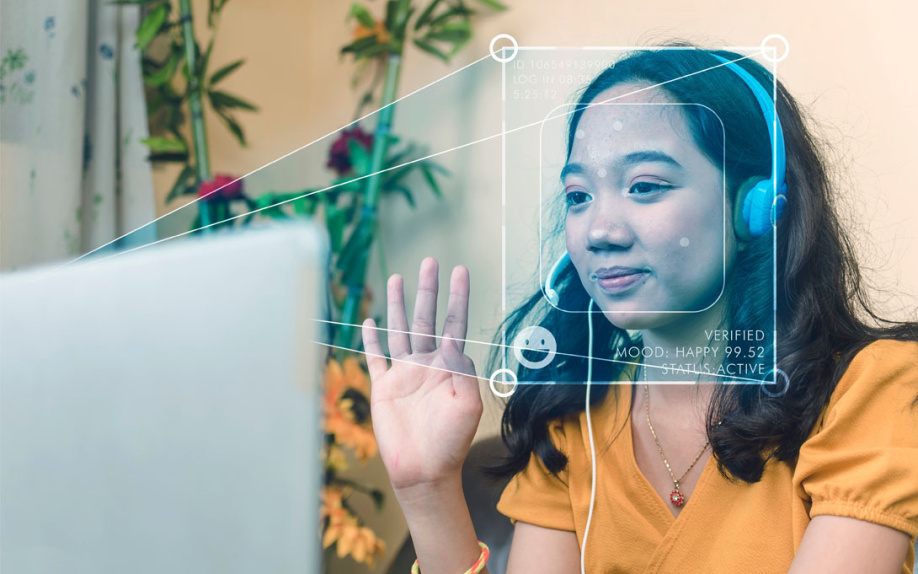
[[862, 462], [536, 496]]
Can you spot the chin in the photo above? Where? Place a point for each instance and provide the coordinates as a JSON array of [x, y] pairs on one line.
[[632, 320]]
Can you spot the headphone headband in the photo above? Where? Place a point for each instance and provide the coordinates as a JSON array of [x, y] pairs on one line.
[[775, 132]]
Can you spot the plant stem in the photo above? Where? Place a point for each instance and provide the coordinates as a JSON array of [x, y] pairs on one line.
[[199, 135], [356, 486], [368, 215]]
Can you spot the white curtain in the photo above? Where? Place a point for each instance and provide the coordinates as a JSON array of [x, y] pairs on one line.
[[73, 173]]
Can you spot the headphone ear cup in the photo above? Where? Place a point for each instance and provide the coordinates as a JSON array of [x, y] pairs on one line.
[[757, 208]]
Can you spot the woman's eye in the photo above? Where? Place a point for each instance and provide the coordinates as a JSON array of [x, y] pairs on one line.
[[647, 187], [573, 198]]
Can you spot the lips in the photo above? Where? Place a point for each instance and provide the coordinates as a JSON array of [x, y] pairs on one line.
[[618, 279], [617, 271]]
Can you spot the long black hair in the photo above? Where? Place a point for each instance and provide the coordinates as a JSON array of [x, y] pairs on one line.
[[822, 306]]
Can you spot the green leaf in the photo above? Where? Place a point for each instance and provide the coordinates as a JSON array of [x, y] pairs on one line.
[[458, 46], [361, 44], [165, 145], [346, 184], [391, 13], [401, 24], [222, 100], [398, 158], [168, 157], [250, 207], [357, 248], [392, 177], [437, 167], [450, 36], [353, 272], [182, 183], [335, 220], [425, 15], [409, 197], [304, 206], [379, 498], [457, 12], [266, 203], [431, 181], [151, 25], [225, 71], [233, 126], [362, 14], [165, 74], [133, 2], [360, 158], [196, 223], [494, 4], [204, 61], [430, 49], [155, 104], [374, 50]]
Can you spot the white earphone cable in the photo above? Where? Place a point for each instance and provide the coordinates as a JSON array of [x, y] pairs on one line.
[[589, 381]]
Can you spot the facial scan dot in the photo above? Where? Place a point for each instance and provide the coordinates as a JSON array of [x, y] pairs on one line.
[[684, 242], [601, 172], [617, 126], [580, 134]]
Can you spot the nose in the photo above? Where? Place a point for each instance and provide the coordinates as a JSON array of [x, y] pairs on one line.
[[609, 227]]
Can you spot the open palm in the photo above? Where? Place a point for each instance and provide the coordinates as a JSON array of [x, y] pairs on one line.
[[426, 406]]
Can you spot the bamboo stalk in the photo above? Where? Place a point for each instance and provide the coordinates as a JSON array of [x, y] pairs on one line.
[[369, 214], [199, 135]]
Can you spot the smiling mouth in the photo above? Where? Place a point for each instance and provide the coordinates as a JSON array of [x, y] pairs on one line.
[[535, 355]]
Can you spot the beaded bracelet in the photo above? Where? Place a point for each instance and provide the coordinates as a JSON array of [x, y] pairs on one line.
[[477, 567]]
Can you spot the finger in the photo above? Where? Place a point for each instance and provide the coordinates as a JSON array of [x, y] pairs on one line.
[[397, 320], [376, 360], [424, 324], [457, 309], [466, 387], [451, 356]]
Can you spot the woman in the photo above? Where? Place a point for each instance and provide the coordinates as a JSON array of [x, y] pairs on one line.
[[820, 474]]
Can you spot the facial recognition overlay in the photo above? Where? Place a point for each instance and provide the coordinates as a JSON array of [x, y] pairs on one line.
[[619, 203], [619, 208]]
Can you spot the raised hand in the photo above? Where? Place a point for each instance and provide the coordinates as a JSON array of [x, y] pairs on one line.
[[426, 407]]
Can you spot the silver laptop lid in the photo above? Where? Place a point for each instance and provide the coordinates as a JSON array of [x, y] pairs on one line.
[[159, 411]]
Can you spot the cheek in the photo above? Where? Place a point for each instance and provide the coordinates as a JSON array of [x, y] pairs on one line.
[[575, 238], [689, 247], [576, 241]]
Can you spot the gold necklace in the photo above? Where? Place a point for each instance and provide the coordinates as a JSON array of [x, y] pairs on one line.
[[676, 496]]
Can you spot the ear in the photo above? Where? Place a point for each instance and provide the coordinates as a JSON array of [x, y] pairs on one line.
[[740, 228]]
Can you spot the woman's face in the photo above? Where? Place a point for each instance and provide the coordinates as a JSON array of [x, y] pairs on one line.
[[646, 219]]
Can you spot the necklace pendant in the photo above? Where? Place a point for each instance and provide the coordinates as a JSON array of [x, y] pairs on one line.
[[676, 497]]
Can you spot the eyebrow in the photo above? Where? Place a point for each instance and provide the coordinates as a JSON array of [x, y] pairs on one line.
[[633, 158]]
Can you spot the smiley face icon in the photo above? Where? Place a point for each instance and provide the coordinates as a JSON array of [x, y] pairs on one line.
[[534, 347]]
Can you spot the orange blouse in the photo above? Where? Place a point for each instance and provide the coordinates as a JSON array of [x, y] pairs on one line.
[[860, 461]]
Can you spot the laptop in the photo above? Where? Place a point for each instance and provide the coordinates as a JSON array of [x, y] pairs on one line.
[[160, 410]]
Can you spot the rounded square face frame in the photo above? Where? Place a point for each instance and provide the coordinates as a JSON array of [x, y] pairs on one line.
[[639, 154]]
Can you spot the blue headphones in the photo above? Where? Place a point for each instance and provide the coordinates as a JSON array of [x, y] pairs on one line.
[[764, 202]]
